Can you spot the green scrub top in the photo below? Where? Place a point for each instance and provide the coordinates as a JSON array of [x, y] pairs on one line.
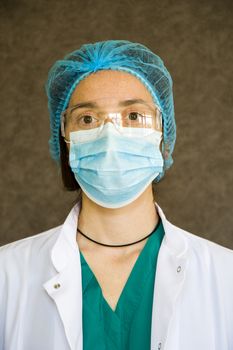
[[129, 326]]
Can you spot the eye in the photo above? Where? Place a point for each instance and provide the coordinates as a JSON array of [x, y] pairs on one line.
[[136, 119], [133, 115], [87, 119]]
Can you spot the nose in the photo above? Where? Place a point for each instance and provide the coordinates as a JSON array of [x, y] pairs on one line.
[[108, 118]]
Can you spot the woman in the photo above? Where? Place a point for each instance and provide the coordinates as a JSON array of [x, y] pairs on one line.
[[117, 274]]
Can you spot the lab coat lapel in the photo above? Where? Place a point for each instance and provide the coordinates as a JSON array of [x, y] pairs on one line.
[[65, 286], [170, 275]]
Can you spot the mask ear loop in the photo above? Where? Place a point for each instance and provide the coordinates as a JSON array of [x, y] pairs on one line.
[[160, 122], [162, 143]]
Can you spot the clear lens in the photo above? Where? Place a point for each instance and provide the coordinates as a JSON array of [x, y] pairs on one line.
[[91, 115]]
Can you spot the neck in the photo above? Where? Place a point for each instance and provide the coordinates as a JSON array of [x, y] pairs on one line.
[[117, 226]]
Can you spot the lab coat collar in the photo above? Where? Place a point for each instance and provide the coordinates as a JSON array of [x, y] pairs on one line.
[[175, 241], [65, 287]]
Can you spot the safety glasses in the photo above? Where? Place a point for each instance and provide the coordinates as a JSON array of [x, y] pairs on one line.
[[130, 117]]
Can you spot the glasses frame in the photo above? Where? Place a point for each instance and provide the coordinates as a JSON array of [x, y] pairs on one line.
[[70, 108]]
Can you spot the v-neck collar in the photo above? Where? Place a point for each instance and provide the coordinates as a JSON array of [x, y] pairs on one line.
[[148, 256]]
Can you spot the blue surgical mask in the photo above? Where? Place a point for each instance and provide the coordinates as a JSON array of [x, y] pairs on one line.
[[113, 169]]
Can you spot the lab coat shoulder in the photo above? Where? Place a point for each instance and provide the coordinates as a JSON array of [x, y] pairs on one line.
[[14, 255], [214, 264], [212, 255], [196, 242], [18, 256]]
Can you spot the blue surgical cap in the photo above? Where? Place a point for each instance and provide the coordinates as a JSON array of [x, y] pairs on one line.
[[121, 55]]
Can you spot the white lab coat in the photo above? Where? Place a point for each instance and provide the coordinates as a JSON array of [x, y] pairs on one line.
[[193, 294]]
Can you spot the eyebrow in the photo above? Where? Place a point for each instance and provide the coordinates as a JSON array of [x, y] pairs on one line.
[[123, 103]]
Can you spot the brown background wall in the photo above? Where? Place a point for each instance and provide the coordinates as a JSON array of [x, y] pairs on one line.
[[194, 38]]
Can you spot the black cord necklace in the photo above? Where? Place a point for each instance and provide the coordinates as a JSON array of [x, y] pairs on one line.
[[121, 245]]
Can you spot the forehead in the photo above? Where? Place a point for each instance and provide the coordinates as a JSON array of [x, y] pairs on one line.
[[109, 84]]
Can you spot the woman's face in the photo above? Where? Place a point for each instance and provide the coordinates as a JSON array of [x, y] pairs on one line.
[[108, 84]]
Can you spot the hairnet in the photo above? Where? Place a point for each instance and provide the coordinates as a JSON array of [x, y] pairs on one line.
[[121, 55]]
